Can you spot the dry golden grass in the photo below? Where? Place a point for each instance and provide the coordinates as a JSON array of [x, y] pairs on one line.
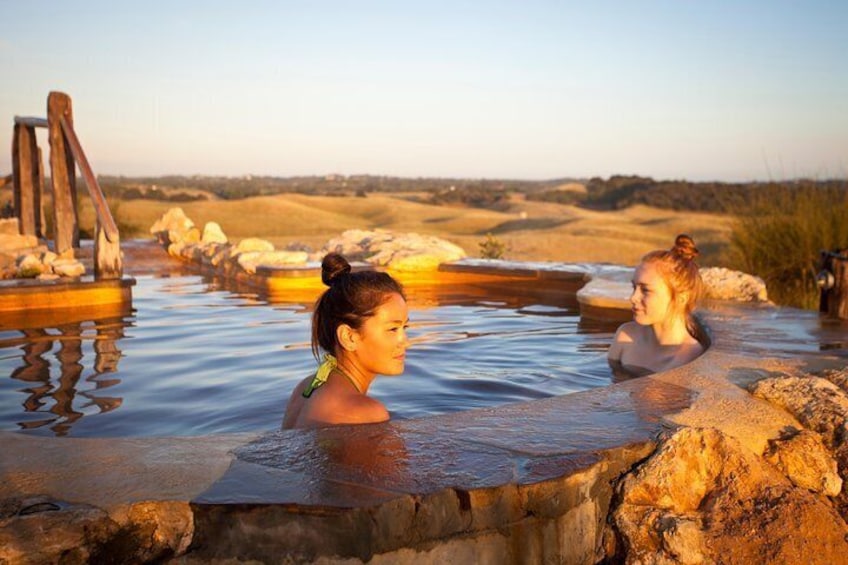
[[532, 231]]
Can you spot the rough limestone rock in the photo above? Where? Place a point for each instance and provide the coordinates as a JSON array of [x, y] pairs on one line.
[[250, 260], [68, 268], [817, 403], [39, 530], [172, 226], [398, 251], [704, 498], [725, 284], [805, 460], [16, 242], [212, 233], [839, 378], [249, 244], [161, 529], [8, 266], [30, 266]]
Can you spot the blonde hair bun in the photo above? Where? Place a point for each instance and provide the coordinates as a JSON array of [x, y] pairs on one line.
[[684, 247]]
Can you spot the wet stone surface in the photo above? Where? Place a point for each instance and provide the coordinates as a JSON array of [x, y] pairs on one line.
[[514, 444]]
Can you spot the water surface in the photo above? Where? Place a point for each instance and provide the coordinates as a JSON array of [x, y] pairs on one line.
[[195, 359]]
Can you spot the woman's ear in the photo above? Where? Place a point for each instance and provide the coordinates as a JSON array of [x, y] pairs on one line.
[[347, 337]]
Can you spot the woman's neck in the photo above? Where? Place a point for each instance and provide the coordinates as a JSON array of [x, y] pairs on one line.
[[358, 377], [671, 331]]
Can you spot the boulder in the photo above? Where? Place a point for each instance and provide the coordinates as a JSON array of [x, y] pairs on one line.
[[705, 498], [68, 268], [15, 242], [250, 260], [817, 403], [726, 284], [249, 244], [212, 233], [397, 251], [29, 266], [172, 226], [804, 459]]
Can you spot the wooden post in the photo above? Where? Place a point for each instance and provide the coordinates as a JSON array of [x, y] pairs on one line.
[[837, 302], [40, 223], [63, 173], [27, 199], [107, 255], [833, 283]]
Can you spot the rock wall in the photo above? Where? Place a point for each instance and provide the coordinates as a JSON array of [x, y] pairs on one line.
[[25, 257], [400, 252]]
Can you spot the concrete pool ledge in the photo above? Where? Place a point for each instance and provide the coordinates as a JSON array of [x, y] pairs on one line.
[[539, 481]]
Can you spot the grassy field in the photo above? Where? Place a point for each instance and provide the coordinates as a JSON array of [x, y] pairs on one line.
[[531, 231]]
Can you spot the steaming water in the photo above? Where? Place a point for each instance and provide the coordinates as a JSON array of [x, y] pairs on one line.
[[194, 359]]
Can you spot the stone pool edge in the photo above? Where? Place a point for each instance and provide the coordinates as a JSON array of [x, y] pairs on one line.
[[235, 497]]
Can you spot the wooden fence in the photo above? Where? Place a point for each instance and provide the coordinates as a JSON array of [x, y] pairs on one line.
[[28, 177]]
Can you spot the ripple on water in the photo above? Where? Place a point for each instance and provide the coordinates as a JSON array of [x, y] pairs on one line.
[[194, 359]]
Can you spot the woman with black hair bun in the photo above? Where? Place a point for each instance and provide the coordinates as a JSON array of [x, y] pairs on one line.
[[360, 322], [666, 288]]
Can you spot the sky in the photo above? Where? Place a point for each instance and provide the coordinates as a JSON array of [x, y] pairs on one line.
[[528, 89]]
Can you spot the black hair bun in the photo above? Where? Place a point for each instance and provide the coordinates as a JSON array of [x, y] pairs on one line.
[[333, 267]]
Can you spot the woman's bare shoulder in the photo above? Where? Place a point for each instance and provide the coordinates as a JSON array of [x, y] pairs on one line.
[[628, 332]]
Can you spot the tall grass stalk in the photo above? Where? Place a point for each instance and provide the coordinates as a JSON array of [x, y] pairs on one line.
[[781, 236]]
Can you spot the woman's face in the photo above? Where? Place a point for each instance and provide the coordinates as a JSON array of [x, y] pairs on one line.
[[651, 299], [383, 340]]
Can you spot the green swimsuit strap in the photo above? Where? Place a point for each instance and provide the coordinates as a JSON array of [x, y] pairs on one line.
[[321, 375]]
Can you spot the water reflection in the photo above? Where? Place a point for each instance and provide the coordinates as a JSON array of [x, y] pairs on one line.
[[200, 355], [60, 402]]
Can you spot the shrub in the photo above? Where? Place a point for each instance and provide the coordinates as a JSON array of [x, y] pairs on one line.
[[492, 247], [781, 235]]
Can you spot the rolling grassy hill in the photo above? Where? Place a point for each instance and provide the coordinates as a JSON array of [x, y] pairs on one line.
[[532, 231]]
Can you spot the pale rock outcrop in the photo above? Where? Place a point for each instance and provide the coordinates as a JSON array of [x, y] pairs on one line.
[[30, 266], [251, 244], [250, 260], [817, 403], [68, 268], [725, 284], [172, 226], [397, 251], [212, 233], [705, 498], [15, 242]]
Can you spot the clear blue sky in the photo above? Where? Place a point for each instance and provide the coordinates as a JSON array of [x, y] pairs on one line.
[[701, 90]]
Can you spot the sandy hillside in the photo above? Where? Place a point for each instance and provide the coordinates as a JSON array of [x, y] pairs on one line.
[[532, 231]]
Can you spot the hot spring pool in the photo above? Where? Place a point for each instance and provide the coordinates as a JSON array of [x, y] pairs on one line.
[[195, 359]]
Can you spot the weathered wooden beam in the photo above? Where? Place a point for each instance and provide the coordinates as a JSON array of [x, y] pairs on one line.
[[101, 208], [107, 255], [38, 179], [31, 122], [27, 192], [62, 172], [838, 299]]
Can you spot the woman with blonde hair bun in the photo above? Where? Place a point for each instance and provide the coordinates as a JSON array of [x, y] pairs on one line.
[[666, 288]]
